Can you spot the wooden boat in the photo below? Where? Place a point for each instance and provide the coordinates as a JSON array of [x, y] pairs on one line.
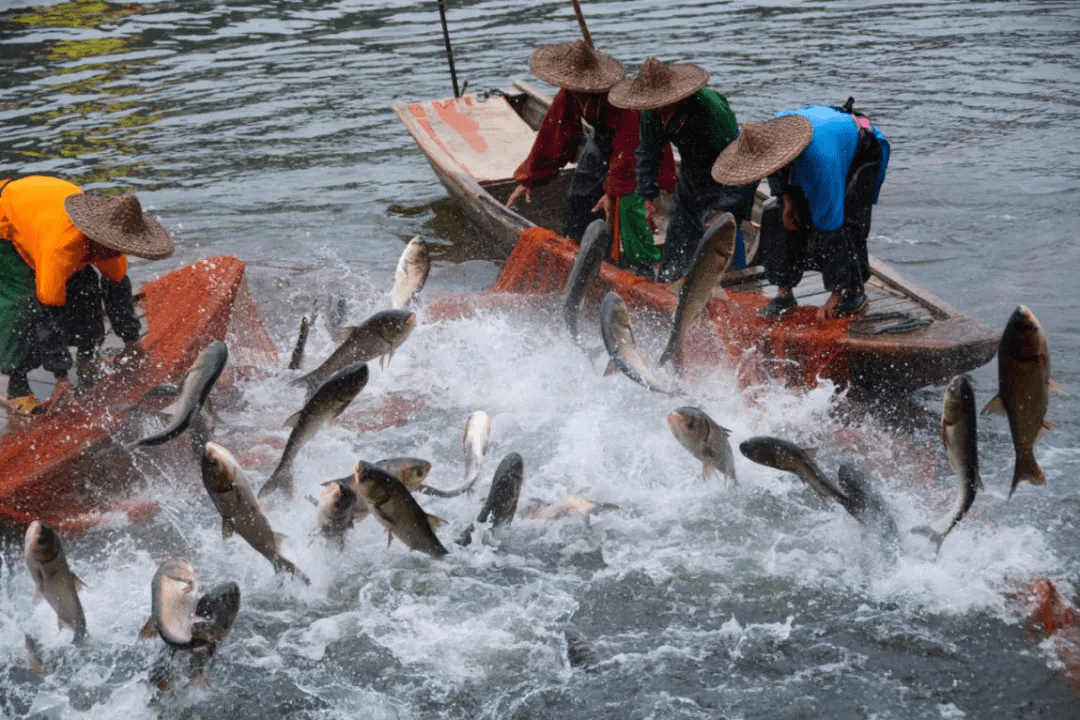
[[908, 339], [67, 469]]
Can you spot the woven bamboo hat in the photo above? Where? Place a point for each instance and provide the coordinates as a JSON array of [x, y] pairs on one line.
[[120, 224], [761, 149], [576, 67], [658, 85]]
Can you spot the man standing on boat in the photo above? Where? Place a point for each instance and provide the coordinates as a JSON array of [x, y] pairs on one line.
[[603, 181], [677, 108], [54, 242], [826, 164]]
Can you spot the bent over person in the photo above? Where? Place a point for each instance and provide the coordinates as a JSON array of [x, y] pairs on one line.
[[677, 108], [603, 181], [62, 267], [826, 165]]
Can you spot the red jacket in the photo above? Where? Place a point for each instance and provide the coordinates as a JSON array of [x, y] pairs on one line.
[[557, 141]]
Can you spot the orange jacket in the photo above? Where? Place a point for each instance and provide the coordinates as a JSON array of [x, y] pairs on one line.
[[32, 217]]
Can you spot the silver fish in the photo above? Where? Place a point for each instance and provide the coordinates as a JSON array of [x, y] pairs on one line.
[[474, 445], [296, 359], [196, 386], [958, 435], [864, 503], [584, 507], [595, 244], [44, 555], [711, 260], [215, 614], [380, 334], [783, 455], [173, 597], [411, 274], [502, 499], [409, 470], [329, 401], [619, 341], [230, 490], [1023, 391], [334, 515], [393, 506], [705, 439]]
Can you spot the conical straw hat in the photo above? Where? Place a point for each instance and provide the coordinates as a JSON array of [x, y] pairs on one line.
[[576, 67], [658, 85], [761, 149], [120, 224]]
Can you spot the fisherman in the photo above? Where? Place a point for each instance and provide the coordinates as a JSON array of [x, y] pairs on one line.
[[63, 258], [822, 218], [677, 108], [603, 181]]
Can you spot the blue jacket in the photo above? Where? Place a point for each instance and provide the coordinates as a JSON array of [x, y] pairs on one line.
[[821, 169]]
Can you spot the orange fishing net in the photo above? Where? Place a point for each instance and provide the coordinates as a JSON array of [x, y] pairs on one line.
[[797, 350], [60, 466]]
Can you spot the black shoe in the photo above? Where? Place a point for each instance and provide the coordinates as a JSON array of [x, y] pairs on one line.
[[778, 306], [852, 302]]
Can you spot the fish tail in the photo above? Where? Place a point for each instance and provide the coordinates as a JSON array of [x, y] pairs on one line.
[[282, 565], [933, 535], [282, 479], [672, 352], [1027, 468]]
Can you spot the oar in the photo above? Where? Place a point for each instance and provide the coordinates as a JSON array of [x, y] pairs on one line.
[[446, 40], [581, 22]]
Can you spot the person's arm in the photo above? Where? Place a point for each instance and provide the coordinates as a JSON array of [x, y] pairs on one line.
[[649, 155], [554, 147], [125, 323]]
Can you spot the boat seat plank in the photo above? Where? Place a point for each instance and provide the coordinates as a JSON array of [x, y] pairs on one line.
[[485, 137]]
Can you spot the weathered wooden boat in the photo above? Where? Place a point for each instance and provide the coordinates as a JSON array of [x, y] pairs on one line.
[[908, 339], [67, 468]]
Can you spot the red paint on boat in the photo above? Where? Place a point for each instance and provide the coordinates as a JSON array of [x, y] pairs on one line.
[[65, 467]]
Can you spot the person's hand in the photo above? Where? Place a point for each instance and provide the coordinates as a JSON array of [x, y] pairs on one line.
[[516, 195], [650, 215], [131, 358], [60, 394], [604, 205]]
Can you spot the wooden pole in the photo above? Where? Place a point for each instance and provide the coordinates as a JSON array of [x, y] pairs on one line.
[[449, 51], [581, 22]]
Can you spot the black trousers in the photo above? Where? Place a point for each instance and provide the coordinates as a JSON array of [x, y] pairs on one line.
[[841, 255]]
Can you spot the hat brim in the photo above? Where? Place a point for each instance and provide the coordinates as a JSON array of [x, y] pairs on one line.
[[685, 80], [763, 150], [89, 213], [554, 65]]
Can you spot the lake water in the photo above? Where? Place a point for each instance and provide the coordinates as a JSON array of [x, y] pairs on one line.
[[264, 130]]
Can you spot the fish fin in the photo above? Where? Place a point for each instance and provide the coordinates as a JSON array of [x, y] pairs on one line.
[[1047, 425], [709, 472], [278, 481], [933, 535], [1056, 388], [672, 352], [384, 360], [278, 539], [79, 584], [435, 522], [811, 452], [720, 293], [312, 500], [675, 287], [282, 565], [389, 538], [996, 406], [978, 480], [227, 528], [611, 368], [38, 597], [293, 420], [148, 630]]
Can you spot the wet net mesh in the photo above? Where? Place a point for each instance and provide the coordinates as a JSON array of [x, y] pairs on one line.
[[797, 351]]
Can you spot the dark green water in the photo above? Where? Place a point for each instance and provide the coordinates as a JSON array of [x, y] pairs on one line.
[[264, 130]]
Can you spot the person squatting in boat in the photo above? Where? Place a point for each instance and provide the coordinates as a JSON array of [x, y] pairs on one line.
[[825, 166], [677, 108], [603, 181], [54, 241]]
